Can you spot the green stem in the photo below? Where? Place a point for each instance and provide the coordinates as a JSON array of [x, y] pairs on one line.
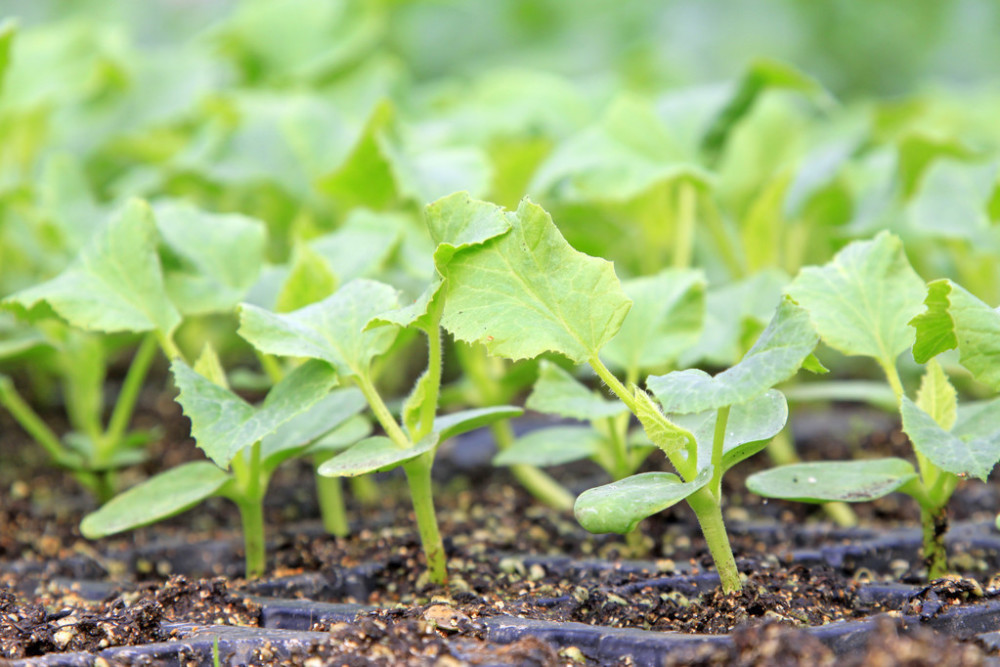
[[428, 409], [718, 447], [622, 466], [535, 481], [129, 394], [892, 375], [169, 346], [250, 500], [935, 524], [32, 423], [271, 366], [365, 490], [418, 474], [331, 505], [709, 514], [613, 383], [687, 199], [716, 228], [381, 412]]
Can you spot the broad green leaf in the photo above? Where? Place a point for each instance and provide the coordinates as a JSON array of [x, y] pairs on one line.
[[528, 292], [749, 428], [620, 506], [222, 255], [353, 430], [463, 421], [169, 493], [365, 179], [665, 319], [209, 366], [69, 200], [321, 418], [363, 246], [937, 397], [375, 455], [662, 432], [972, 454], [761, 76], [779, 352], [551, 447], [955, 318], [458, 222], [556, 392], [862, 300], [223, 424], [332, 330], [309, 280], [952, 200], [115, 284], [833, 481]]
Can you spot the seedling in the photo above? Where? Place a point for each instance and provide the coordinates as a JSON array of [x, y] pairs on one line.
[[664, 320], [358, 323], [245, 444], [117, 284], [867, 301], [526, 291]]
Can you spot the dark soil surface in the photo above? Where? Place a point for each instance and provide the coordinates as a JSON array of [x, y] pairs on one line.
[[507, 555]]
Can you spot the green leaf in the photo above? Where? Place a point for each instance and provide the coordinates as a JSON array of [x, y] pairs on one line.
[[331, 330], [412, 406], [952, 200], [303, 429], [458, 222], [463, 421], [551, 447], [665, 319], [779, 352], [974, 454], [309, 280], [417, 314], [862, 300], [528, 292], [223, 424], [955, 318], [761, 76], [556, 392], [937, 397], [833, 481], [169, 493], [749, 428], [115, 284], [351, 431], [662, 432], [375, 455], [222, 255], [363, 246], [620, 506], [365, 179]]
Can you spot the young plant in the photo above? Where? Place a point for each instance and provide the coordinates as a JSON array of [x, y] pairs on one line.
[[526, 291], [245, 443], [664, 320], [867, 301], [118, 284], [359, 322]]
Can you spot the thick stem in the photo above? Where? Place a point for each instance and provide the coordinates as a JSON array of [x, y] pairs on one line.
[[935, 525], [169, 346], [129, 394], [272, 368], [250, 500], [418, 474], [622, 465], [613, 383], [892, 375], [428, 410], [709, 515]]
